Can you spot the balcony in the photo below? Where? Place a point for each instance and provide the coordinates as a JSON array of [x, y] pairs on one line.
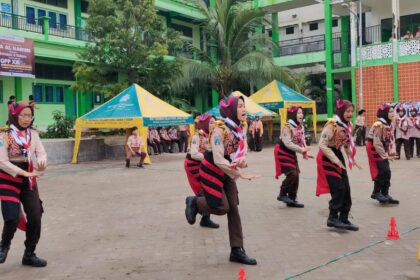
[[406, 47], [308, 45], [37, 26]]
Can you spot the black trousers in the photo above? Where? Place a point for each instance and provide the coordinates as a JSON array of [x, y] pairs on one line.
[[166, 145], [183, 142], [383, 180], [258, 141], [32, 206], [290, 184], [360, 135], [417, 142], [155, 146], [406, 142]]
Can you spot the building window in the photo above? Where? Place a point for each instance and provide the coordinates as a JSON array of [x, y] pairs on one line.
[[41, 13], [85, 6], [63, 21], [59, 94], [290, 30], [30, 15], [44, 93], [58, 3], [335, 22], [53, 72], [53, 19], [1, 91], [38, 93], [185, 30], [313, 26], [49, 94]]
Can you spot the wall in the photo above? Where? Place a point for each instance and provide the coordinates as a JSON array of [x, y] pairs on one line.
[[383, 10], [408, 81], [8, 89], [377, 89]]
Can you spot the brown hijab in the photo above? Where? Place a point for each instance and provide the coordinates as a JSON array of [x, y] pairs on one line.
[[341, 108], [229, 108], [14, 114]]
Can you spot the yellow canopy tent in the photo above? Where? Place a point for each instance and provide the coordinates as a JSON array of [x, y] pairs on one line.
[[276, 95], [135, 106]]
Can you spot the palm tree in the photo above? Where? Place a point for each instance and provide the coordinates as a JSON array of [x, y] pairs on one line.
[[243, 56]]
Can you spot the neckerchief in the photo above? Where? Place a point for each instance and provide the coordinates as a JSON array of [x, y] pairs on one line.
[[415, 121], [24, 143], [239, 134], [300, 134], [400, 122], [390, 134], [352, 146]]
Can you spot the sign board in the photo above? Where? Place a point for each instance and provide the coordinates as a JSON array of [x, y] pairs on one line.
[[17, 57]]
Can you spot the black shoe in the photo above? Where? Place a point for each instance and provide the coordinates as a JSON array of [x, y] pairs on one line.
[[127, 163], [350, 226], [285, 199], [391, 200], [397, 157], [238, 255], [336, 223], [30, 259], [191, 209], [379, 197], [140, 165], [3, 252], [295, 204], [206, 222]]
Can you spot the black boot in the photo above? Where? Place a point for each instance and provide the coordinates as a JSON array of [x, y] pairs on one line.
[[140, 165], [391, 200], [344, 218], [127, 163], [30, 259], [191, 209], [377, 193], [283, 196], [333, 221], [206, 222], [294, 202], [4, 249], [237, 254]]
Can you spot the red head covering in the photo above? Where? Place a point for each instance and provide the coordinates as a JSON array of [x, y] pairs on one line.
[[14, 114], [413, 109], [292, 113], [229, 108], [383, 111], [341, 108], [204, 122]]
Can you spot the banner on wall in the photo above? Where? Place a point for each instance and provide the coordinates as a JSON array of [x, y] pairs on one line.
[[17, 57]]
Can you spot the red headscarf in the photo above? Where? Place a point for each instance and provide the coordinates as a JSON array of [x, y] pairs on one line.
[[292, 113], [229, 108], [204, 122], [14, 114], [383, 112]]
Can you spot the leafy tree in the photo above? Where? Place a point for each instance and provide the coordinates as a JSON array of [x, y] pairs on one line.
[[129, 43], [243, 56]]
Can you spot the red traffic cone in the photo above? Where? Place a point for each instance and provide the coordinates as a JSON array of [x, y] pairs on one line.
[[242, 274], [393, 232]]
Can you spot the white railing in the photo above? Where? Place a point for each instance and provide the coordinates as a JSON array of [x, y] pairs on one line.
[[377, 51], [409, 47]]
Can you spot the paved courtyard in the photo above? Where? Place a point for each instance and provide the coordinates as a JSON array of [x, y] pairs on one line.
[[103, 221]]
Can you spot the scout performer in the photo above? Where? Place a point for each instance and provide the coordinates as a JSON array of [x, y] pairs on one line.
[[199, 144], [380, 149], [218, 173], [134, 148], [401, 133], [22, 159], [331, 167], [292, 141], [414, 131]]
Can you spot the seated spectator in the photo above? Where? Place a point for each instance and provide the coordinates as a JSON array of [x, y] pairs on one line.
[[418, 32], [165, 140], [408, 35], [173, 134], [134, 148], [153, 140]]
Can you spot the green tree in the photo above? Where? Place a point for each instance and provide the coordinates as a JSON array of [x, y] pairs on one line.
[[128, 46], [243, 56]]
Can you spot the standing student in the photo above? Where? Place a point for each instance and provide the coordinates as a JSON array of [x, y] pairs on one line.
[[258, 132], [184, 135], [332, 174], [414, 131], [360, 128], [22, 159], [292, 141], [380, 149], [219, 172], [401, 133], [251, 130], [134, 148], [199, 145]]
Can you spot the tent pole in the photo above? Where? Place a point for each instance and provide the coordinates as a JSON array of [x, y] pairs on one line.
[[144, 132], [77, 136]]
